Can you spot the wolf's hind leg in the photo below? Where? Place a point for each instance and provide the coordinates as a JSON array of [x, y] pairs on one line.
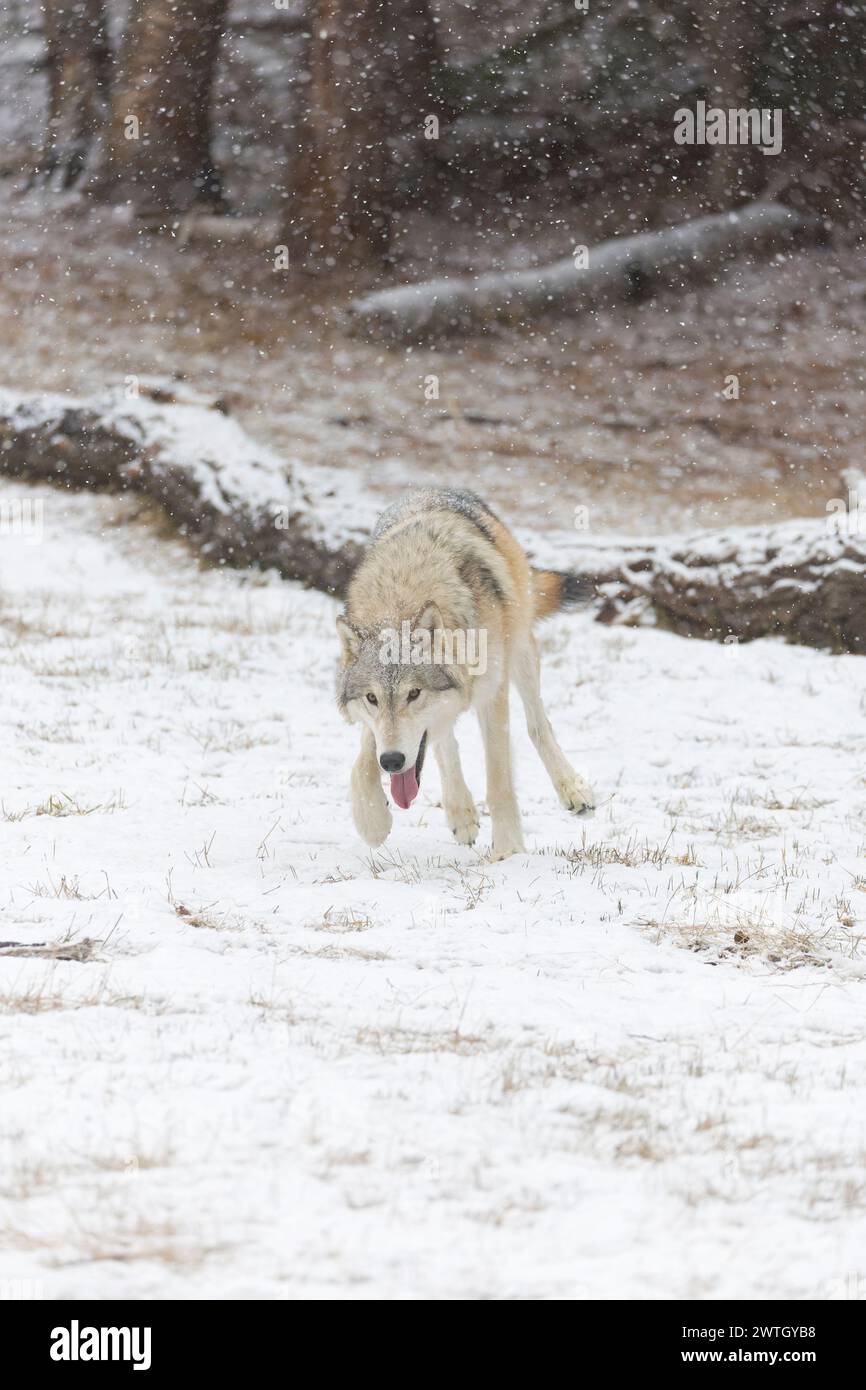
[[574, 793], [370, 810], [460, 809], [504, 812]]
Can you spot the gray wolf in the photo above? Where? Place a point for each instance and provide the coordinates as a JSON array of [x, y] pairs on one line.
[[443, 581]]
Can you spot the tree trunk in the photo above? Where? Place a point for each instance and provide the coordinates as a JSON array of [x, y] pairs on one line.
[[158, 139], [79, 72], [370, 64], [736, 34], [412, 53]]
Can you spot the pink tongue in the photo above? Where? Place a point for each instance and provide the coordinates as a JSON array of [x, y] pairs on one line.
[[404, 788]]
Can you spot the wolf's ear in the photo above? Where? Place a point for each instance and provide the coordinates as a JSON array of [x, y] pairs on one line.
[[429, 618], [350, 639]]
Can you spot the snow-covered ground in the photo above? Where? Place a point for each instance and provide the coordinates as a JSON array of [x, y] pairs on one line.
[[630, 1063]]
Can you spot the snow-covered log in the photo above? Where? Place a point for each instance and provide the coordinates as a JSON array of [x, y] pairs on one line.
[[624, 268], [237, 501], [801, 580]]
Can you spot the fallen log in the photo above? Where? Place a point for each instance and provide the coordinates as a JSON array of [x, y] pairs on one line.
[[242, 505], [237, 501], [804, 581], [625, 268]]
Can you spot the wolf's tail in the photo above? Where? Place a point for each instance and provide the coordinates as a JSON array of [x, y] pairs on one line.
[[553, 590]]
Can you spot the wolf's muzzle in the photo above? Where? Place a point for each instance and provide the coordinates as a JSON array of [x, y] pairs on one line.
[[404, 785]]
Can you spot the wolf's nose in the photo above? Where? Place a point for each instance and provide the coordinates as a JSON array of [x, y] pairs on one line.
[[392, 762]]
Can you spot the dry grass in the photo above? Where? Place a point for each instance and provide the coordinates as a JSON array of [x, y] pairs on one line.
[[72, 667], [634, 854], [343, 920], [158, 1241], [200, 858], [796, 800], [61, 804], [44, 997], [510, 1210], [392, 864], [82, 950], [205, 797], [206, 919], [30, 1178], [229, 736], [753, 936], [347, 953], [736, 824], [274, 1007], [396, 1040], [66, 888]]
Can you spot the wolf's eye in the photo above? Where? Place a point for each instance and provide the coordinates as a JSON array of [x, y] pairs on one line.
[[413, 695], [371, 698]]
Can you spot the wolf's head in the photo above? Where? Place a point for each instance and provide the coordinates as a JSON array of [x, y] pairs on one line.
[[389, 681]]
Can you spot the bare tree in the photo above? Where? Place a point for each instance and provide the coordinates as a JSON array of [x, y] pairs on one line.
[[734, 33], [148, 115], [158, 134], [78, 62], [370, 65]]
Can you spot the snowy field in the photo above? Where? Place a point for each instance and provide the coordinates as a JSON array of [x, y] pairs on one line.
[[243, 1057]]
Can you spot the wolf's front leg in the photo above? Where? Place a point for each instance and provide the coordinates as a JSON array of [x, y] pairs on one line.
[[501, 800], [370, 810], [457, 800]]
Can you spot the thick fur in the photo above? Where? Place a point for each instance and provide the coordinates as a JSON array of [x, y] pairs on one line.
[[441, 562]]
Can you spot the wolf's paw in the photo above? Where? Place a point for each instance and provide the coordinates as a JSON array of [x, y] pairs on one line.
[[463, 822], [576, 795], [506, 843], [373, 821], [499, 852]]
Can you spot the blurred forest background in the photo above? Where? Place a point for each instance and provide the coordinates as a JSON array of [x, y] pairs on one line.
[[263, 125]]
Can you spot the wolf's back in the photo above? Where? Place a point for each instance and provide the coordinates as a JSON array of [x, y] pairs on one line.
[[549, 590], [432, 499]]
